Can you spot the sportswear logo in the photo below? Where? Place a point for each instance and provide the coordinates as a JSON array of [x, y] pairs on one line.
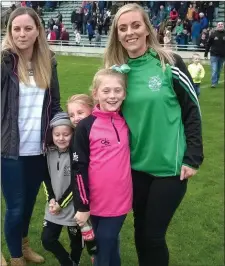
[[155, 83], [45, 223], [105, 142], [216, 38], [73, 230], [66, 170], [75, 157]]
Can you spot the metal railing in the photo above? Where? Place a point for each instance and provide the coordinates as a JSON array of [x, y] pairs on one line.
[[102, 44]]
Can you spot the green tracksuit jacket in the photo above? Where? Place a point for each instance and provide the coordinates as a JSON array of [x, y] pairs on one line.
[[163, 114]]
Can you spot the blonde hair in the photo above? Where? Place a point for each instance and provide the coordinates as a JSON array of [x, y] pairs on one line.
[[96, 82], [116, 54], [195, 55], [81, 99], [41, 58]]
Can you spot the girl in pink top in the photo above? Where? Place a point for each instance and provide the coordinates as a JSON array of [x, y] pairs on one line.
[[101, 169]]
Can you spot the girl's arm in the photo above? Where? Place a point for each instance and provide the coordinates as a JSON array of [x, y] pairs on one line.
[[79, 153], [66, 197], [48, 184]]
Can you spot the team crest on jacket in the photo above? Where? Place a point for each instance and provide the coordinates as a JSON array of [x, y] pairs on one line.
[[75, 157], [155, 83]]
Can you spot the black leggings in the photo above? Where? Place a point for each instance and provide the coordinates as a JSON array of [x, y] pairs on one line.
[[155, 201], [50, 241]]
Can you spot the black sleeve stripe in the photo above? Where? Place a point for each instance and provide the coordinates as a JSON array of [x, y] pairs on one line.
[[186, 82]]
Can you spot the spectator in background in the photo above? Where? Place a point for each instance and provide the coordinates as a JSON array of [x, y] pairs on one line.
[[59, 17], [29, 4], [195, 13], [187, 25], [197, 72], [64, 36], [173, 16], [56, 30], [203, 41], [51, 23], [195, 32], [59, 25], [190, 11], [97, 38], [74, 19], [86, 17], [100, 23], [167, 39], [51, 36], [182, 11], [77, 37], [93, 20], [182, 39], [162, 14], [203, 21], [179, 27], [101, 5], [155, 22], [106, 23], [90, 31], [216, 45], [210, 14]]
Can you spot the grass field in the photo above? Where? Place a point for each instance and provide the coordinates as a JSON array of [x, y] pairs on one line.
[[196, 233]]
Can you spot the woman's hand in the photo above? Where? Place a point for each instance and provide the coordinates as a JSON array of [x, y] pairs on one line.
[[187, 172], [81, 218]]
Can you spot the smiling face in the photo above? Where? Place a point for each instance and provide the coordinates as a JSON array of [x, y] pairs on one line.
[[62, 136], [110, 93], [196, 59], [220, 26], [24, 32], [132, 33], [77, 111]]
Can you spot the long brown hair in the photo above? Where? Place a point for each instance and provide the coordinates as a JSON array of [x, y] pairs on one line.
[[116, 54], [41, 58]]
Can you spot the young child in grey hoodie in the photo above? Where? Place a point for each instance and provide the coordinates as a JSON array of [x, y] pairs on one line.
[[59, 209]]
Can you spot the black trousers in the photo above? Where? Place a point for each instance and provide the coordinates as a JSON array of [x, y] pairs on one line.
[[50, 241], [155, 201]]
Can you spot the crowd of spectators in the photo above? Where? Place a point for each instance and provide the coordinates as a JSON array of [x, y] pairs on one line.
[[92, 18], [175, 22], [183, 23]]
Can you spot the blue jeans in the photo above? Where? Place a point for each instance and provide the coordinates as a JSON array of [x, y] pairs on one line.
[[107, 231], [197, 88], [20, 180], [216, 66]]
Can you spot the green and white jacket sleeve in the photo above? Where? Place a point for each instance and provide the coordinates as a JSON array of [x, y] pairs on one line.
[[191, 114]]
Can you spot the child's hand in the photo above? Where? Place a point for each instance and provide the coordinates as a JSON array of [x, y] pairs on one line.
[[52, 202], [56, 208], [51, 205], [81, 218]]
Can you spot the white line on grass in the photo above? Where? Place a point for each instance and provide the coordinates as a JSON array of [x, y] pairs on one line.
[[209, 85]]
